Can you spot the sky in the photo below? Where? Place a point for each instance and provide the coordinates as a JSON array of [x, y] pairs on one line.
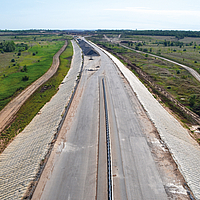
[[100, 14]]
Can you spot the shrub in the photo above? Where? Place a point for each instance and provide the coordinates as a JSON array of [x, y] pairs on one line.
[[33, 54], [145, 50], [19, 88], [24, 69], [192, 100], [13, 60], [25, 78]]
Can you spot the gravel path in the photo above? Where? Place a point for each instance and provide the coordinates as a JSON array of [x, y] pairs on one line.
[[8, 113], [20, 161], [185, 151]]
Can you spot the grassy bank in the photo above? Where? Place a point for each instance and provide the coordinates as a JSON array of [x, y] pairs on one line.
[[38, 99]]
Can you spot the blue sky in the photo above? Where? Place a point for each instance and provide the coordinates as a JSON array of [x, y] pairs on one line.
[[100, 14]]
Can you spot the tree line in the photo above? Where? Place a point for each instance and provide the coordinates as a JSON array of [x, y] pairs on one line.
[[176, 33]]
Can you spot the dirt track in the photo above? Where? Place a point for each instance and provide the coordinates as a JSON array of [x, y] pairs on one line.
[[7, 114]]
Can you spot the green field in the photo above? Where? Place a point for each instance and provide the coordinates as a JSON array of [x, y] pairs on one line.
[[37, 100], [31, 63]]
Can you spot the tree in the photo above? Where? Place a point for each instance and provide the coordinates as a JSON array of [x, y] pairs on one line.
[[8, 46], [145, 50], [25, 78]]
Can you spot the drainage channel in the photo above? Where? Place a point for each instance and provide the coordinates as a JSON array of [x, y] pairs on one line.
[[109, 175]]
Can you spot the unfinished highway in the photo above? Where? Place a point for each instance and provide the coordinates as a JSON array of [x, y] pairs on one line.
[[78, 167]]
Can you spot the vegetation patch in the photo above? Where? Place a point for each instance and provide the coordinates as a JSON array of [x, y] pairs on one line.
[[30, 58], [37, 100]]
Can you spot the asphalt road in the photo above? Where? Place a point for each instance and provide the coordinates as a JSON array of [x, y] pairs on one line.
[[77, 170]]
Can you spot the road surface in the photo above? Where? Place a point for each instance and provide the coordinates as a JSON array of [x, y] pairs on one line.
[[72, 171]]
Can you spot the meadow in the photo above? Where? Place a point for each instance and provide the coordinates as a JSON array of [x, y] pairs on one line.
[[20, 68]]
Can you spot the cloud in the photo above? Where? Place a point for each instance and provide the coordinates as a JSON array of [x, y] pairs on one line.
[[144, 10]]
